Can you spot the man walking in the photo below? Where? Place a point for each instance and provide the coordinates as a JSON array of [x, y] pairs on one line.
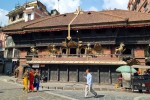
[[88, 87]]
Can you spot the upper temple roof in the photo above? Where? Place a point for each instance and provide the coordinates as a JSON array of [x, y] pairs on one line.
[[111, 18]]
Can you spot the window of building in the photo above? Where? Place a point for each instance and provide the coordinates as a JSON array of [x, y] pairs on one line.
[[20, 15], [13, 18], [29, 16]]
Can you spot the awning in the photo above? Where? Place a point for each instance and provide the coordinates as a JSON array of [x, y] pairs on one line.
[[141, 66], [80, 62]]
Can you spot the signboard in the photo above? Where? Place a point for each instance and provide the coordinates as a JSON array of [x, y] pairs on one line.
[[14, 59], [42, 65], [35, 66]]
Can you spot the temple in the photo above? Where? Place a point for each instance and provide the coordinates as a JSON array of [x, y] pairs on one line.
[[65, 45]]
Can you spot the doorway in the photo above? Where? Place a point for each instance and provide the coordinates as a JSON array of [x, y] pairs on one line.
[[64, 51], [127, 52], [73, 51], [82, 51]]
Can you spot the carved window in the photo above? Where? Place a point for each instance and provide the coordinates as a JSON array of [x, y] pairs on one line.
[[9, 53], [146, 7], [16, 53], [13, 18]]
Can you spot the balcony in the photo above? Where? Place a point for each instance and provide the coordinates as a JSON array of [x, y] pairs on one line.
[[101, 59]]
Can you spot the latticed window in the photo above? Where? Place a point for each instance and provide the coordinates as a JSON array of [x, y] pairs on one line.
[[9, 53], [138, 1], [16, 53], [146, 7]]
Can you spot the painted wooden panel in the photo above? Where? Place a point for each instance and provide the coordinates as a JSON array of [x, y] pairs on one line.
[[95, 75], [104, 75], [73, 73], [82, 74], [53, 73], [63, 74], [114, 74]]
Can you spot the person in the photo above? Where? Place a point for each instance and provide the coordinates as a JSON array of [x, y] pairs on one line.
[[88, 87], [120, 80], [136, 75], [145, 74], [37, 80], [146, 77], [46, 76], [31, 79], [25, 81]]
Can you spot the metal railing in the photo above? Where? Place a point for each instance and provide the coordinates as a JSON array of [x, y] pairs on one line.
[[88, 56]]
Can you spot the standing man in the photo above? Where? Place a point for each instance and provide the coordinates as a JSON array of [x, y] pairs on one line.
[[88, 87]]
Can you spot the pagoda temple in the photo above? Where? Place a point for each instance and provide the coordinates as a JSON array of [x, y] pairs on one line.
[[65, 45]]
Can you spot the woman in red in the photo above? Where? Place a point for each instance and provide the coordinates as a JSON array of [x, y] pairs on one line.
[[31, 79]]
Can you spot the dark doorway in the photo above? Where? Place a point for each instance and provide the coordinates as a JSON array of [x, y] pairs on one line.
[[64, 51], [73, 51], [127, 52], [82, 51]]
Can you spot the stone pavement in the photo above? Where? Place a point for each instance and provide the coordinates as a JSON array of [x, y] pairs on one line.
[[64, 85], [12, 91], [104, 95], [9, 90]]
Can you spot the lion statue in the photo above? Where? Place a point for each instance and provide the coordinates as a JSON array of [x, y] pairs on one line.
[[120, 49]]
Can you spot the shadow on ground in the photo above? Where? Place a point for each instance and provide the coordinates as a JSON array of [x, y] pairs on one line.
[[98, 96], [1, 92]]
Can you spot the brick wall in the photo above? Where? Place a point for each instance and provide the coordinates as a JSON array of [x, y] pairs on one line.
[[106, 50], [22, 62], [43, 52], [139, 52], [23, 54]]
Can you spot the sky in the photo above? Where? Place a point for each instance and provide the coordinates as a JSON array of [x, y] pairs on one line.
[[65, 6]]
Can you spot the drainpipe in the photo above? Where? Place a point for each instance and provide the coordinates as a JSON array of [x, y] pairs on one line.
[[78, 12]]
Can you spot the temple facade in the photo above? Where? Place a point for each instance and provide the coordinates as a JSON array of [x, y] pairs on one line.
[[64, 45]]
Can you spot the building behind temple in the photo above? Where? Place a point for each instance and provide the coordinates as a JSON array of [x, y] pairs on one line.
[[139, 6], [28, 11], [2, 46]]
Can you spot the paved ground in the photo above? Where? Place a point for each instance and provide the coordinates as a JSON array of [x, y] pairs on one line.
[[64, 85], [13, 91], [105, 95]]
